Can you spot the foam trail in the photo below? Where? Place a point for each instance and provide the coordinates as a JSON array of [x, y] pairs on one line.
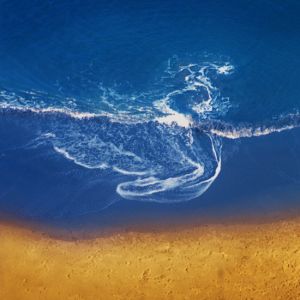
[[124, 117], [250, 132], [132, 173], [230, 131], [172, 117], [66, 154], [150, 140], [50, 110], [198, 86], [192, 185]]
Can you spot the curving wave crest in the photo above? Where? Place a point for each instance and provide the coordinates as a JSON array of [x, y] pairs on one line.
[[163, 145]]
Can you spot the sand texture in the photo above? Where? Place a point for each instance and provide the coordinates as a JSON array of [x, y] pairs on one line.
[[203, 262]]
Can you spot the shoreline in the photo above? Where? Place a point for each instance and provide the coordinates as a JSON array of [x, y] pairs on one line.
[[84, 231], [212, 261]]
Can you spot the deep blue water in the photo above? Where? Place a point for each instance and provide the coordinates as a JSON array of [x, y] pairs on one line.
[[178, 105]]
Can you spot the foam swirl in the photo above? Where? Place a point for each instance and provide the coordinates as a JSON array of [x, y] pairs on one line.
[[163, 145]]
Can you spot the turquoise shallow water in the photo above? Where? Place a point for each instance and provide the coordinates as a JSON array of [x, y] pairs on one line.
[[147, 107]]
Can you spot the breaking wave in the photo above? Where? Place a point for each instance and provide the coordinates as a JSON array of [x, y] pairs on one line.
[[163, 145]]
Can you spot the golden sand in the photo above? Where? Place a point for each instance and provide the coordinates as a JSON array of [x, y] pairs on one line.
[[204, 262]]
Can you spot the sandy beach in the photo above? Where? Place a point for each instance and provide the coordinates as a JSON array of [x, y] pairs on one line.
[[237, 261]]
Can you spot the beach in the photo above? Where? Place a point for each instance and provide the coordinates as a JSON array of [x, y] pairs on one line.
[[251, 260], [149, 150]]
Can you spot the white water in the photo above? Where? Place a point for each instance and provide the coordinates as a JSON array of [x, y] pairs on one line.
[[153, 141]]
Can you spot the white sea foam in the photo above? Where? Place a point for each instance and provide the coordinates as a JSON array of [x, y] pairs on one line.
[[191, 185], [50, 110], [225, 69], [170, 115], [133, 173], [132, 108], [237, 133], [100, 166], [164, 160], [196, 81], [66, 154], [143, 188]]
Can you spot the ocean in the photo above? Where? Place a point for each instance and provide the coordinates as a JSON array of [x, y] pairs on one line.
[[117, 110]]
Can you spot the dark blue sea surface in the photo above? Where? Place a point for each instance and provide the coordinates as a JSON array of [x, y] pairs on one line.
[[148, 107]]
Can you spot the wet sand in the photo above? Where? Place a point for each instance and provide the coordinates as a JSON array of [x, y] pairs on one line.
[[229, 261]]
